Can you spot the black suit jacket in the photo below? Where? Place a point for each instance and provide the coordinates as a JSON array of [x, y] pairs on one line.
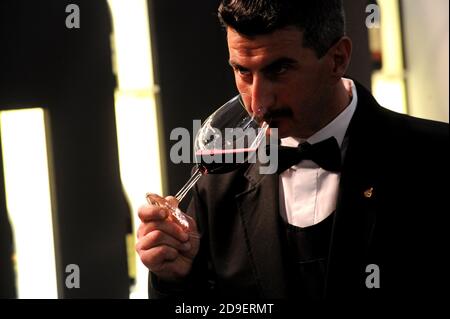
[[390, 210]]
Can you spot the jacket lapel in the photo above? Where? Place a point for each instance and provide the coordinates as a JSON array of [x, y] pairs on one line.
[[355, 219], [258, 209]]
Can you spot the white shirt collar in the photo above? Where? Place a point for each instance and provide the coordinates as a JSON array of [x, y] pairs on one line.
[[336, 128]]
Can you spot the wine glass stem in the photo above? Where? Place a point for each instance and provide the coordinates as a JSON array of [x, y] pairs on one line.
[[189, 184]]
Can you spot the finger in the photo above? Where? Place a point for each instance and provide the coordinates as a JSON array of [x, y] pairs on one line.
[[148, 213], [155, 258], [169, 227], [158, 238]]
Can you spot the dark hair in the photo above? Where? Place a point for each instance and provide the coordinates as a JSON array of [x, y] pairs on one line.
[[322, 21]]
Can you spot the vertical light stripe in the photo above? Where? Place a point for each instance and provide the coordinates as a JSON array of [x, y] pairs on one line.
[[391, 37], [136, 114], [28, 201], [388, 84], [132, 46]]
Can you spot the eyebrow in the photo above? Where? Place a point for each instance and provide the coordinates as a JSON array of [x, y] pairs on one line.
[[273, 64]]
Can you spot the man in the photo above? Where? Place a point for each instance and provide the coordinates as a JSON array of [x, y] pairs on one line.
[[366, 226]]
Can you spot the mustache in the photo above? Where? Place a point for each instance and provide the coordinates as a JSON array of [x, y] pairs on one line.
[[273, 114]]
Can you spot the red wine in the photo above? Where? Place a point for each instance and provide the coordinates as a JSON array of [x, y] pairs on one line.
[[223, 160]]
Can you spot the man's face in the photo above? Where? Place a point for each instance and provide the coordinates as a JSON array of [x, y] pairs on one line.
[[282, 81]]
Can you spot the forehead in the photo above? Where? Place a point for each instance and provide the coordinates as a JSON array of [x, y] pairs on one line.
[[262, 49]]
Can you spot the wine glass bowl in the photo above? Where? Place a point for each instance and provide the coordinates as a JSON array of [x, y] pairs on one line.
[[228, 138]]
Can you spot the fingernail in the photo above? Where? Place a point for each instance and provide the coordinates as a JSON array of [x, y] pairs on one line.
[[186, 246], [163, 213]]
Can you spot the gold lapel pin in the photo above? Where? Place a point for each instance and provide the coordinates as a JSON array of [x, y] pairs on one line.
[[368, 193]]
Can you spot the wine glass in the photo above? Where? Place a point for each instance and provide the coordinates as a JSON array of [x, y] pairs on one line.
[[227, 139]]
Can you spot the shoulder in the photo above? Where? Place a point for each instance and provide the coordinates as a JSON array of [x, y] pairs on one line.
[[396, 141], [391, 125], [412, 127]]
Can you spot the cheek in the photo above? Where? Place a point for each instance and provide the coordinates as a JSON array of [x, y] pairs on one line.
[[242, 84], [239, 83], [309, 87], [300, 101], [292, 95], [324, 74]]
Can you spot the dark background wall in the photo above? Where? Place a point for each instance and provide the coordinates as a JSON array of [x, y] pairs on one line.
[[7, 276], [68, 72], [361, 65]]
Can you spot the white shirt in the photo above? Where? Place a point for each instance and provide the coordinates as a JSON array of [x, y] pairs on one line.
[[308, 193]]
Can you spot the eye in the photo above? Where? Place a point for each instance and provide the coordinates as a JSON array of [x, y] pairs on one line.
[[241, 70], [278, 70]]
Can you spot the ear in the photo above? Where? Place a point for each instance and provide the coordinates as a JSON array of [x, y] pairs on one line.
[[340, 55]]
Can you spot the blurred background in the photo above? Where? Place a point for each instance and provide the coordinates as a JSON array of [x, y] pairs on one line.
[[90, 91]]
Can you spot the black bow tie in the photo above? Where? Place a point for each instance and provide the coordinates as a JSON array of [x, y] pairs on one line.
[[326, 154]]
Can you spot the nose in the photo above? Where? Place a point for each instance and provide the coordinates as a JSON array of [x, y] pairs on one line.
[[262, 95]]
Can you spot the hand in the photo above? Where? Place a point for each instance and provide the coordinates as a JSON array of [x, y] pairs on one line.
[[163, 246]]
